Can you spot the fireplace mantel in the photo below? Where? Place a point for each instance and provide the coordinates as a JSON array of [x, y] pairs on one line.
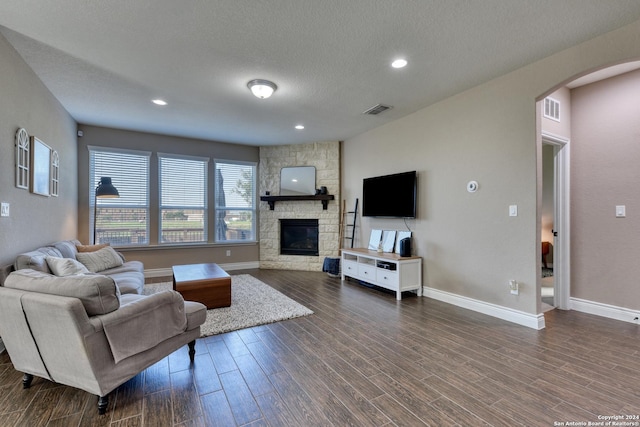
[[324, 198]]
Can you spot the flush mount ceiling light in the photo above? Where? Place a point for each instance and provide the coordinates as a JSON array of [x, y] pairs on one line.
[[399, 63], [299, 127], [160, 102], [262, 88]]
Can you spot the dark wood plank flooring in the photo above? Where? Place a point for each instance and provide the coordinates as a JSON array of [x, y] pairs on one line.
[[364, 359]]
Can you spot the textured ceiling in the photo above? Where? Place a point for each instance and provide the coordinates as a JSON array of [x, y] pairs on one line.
[[105, 60]]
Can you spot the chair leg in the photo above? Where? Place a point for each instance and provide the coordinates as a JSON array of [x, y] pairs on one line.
[[103, 402], [192, 350], [26, 380]]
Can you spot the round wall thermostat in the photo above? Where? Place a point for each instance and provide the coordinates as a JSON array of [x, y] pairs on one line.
[[472, 186]]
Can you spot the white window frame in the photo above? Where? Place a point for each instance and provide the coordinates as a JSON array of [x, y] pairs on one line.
[[106, 202], [161, 206], [253, 208]]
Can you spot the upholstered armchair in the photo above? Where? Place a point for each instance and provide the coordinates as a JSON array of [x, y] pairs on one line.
[[79, 331]]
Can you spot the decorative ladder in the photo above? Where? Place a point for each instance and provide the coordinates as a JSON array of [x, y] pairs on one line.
[[354, 212]]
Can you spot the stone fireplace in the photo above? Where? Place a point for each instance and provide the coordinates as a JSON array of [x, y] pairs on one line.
[[325, 157]]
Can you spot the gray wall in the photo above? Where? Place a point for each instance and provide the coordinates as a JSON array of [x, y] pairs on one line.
[[605, 165], [155, 256], [490, 133], [25, 102]]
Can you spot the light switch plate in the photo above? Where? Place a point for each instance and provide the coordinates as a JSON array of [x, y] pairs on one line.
[[621, 211], [513, 210], [4, 209]]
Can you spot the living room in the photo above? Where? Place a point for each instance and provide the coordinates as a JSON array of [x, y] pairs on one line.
[[471, 248], [454, 251]]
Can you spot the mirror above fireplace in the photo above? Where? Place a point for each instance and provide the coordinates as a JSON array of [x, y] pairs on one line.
[[298, 181]]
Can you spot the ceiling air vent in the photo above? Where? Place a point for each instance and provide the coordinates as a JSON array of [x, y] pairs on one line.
[[552, 109], [377, 109]]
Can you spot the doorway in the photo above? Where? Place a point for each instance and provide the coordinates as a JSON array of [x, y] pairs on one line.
[[554, 289]]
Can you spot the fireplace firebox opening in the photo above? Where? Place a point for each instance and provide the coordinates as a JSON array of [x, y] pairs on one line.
[[299, 237]]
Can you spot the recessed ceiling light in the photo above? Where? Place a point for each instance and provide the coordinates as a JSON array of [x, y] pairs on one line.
[[159, 102], [299, 127], [399, 63]]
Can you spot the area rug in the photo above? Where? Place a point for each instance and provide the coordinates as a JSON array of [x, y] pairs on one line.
[[253, 303]]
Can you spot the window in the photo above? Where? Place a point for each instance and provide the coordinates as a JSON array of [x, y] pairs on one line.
[[183, 198], [235, 194], [124, 220]]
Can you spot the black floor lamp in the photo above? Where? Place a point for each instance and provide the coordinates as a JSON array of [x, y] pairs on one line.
[[104, 190]]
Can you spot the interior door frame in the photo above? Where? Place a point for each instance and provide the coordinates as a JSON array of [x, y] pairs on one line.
[[561, 220]]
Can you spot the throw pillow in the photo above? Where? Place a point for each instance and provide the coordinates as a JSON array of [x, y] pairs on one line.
[[91, 248], [65, 266], [100, 260]]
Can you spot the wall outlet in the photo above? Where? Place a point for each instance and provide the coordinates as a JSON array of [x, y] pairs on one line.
[[228, 252], [514, 287], [4, 209]]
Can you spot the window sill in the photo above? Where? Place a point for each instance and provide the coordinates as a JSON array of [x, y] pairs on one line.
[[183, 246]]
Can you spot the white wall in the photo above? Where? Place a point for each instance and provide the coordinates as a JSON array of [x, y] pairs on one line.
[[490, 133]]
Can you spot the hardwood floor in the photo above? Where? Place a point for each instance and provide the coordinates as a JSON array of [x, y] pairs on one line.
[[364, 359]]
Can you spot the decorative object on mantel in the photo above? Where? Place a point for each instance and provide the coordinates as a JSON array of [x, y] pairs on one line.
[[23, 159], [40, 167], [324, 198], [299, 181]]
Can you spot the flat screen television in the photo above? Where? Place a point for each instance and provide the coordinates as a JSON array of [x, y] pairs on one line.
[[392, 196]]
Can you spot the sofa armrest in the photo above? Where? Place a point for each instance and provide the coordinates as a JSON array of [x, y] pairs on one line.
[[144, 323]]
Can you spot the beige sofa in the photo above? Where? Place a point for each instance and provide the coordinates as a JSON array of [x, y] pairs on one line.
[[92, 331], [129, 276]]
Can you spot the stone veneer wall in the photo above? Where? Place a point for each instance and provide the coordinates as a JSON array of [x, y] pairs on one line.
[[325, 156]]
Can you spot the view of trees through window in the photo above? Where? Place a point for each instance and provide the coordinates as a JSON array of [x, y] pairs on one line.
[[235, 201]]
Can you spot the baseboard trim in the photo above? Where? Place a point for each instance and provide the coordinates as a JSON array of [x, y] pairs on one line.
[[605, 310], [534, 321], [167, 272]]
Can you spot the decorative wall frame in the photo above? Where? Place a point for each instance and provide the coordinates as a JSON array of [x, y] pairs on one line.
[[40, 167], [388, 240], [374, 240], [55, 173], [23, 159]]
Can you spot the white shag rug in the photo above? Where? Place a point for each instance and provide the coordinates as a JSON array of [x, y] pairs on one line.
[[253, 303]]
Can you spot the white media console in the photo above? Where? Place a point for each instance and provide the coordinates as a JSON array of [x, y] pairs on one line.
[[387, 270]]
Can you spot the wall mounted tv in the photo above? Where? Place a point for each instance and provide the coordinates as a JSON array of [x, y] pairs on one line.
[[392, 196]]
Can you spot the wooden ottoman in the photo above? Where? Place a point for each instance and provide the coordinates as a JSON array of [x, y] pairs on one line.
[[205, 283]]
